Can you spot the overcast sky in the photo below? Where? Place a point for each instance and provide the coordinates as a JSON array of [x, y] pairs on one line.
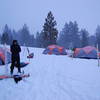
[[33, 12]]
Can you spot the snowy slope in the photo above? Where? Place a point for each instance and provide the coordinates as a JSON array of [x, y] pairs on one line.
[[53, 78]]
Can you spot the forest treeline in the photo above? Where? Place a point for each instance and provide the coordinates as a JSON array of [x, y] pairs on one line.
[[71, 36]]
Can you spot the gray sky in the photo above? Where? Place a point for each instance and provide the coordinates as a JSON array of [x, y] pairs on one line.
[[33, 12]]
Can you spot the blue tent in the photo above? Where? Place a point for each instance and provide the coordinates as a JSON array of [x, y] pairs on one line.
[[54, 49], [88, 52]]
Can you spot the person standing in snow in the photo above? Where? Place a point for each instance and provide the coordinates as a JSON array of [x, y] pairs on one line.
[[15, 56]]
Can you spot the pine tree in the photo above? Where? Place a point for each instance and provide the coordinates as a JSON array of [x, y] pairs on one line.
[[14, 35], [74, 34], [6, 36], [38, 40], [24, 35], [69, 36], [92, 40], [31, 41], [64, 37], [49, 32], [84, 37]]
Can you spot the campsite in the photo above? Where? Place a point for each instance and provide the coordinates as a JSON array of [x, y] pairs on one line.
[[49, 49], [56, 77]]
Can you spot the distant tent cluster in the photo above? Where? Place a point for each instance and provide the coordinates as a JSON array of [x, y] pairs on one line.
[[2, 56], [87, 52], [54, 49]]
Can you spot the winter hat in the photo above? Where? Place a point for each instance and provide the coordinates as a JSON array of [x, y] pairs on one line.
[[14, 41]]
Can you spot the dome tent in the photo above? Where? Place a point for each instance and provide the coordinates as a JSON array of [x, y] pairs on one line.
[[2, 56], [54, 49], [88, 52]]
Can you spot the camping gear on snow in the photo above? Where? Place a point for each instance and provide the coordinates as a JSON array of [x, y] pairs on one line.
[[54, 49], [31, 55], [2, 56], [16, 78], [87, 52]]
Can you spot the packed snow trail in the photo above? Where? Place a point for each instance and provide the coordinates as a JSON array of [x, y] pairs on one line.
[[54, 78]]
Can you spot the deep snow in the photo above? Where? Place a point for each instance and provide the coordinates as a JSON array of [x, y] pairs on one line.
[[53, 78]]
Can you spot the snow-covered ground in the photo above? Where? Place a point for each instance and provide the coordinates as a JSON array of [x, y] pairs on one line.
[[53, 78]]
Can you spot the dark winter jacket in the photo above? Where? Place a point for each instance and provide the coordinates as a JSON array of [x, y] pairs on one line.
[[15, 50]]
